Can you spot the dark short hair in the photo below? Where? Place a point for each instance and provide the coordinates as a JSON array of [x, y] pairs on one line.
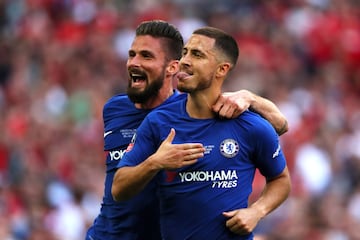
[[223, 41], [173, 40]]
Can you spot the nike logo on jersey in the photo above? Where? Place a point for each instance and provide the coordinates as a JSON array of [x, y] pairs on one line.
[[107, 133], [276, 153]]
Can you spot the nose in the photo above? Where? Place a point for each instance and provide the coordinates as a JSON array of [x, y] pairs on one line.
[[185, 60], [133, 61]]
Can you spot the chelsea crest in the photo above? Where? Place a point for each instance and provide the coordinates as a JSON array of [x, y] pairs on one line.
[[229, 148]]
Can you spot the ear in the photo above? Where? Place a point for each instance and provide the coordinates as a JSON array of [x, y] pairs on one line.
[[173, 67], [223, 69]]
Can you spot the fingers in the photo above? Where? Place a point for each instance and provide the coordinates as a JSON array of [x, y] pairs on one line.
[[230, 223], [226, 111], [171, 136], [191, 153], [194, 153], [218, 105], [231, 105], [187, 148], [228, 107], [171, 155], [241, 225], [229, 214]]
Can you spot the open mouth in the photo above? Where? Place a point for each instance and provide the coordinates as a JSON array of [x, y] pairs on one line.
[[137, 78]]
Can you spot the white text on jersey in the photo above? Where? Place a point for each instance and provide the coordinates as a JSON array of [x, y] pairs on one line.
[[116, 155], [220, 179]]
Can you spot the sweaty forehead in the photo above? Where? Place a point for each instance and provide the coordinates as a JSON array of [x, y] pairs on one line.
[[200, 42]]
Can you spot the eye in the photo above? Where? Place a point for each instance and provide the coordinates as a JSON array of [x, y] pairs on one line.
[[184, 52], [146, 55], [196, 53], [131, 54]]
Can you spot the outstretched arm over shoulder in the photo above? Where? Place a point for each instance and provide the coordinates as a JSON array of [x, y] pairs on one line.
[[232, 104]]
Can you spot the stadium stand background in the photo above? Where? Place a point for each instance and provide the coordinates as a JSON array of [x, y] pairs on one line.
[[61, 60]]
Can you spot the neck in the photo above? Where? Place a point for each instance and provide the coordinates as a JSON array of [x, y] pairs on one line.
[[199, 105]]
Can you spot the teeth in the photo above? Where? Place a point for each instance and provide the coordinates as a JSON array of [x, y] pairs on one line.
[[136, 77]]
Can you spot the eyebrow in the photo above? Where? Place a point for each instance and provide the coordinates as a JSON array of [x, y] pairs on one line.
[[143, 52], [194, 50]]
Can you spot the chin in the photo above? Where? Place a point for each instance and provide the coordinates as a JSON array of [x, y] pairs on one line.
[[184, 89]]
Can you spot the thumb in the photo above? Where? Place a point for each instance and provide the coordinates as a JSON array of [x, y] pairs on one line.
[[229, 214], [171, 136]]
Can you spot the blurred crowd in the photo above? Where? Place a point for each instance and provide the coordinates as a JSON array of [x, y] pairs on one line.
[[60, 60]]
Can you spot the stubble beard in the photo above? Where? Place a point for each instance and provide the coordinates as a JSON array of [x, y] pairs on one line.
[[201, 86]]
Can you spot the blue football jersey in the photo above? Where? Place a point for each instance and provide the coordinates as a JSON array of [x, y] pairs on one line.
[[193, 198], [137, 218]]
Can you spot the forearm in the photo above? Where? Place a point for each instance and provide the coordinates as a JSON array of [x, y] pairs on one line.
[[275, 192], [128, 181], [270, 112]]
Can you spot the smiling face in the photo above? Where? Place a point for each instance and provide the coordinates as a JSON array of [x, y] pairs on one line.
[[146, 67], [198, 64]]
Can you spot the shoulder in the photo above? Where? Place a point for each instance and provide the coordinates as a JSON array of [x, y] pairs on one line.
[[173, 105], [174, 98], [255, 122], [117, 99], [118, 102], [120, 106]]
